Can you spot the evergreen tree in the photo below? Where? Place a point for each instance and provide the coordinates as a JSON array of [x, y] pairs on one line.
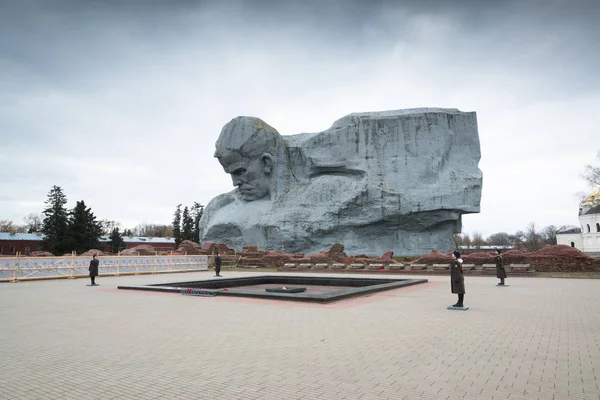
[[177, 225], [187, 225], [128, 233], [197, 211], [84, 230], [56, 222], [116, 241]]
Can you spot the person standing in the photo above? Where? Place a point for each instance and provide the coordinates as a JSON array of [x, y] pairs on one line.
[[94, 269], [457, 278], [217, 264], [500, 270]]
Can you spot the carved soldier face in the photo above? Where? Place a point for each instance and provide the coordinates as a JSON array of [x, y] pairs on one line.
[[250, 175]]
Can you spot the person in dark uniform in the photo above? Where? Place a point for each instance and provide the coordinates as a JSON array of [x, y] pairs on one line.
[[500, 271], [94, 269], [457, 279], [217, 264]]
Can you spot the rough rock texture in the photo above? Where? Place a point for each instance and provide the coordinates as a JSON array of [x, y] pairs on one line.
[[189, 247], [91, 253], [141, 250], [388, 256], [433, 258], [562, 258], [41, 254], [480, 258], [192, 248], [252, 256], [564, 264], [377, 181], [211, 248], [559, 250], [559, 258]]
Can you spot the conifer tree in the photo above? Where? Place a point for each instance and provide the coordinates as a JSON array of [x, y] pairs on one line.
[[177, 225], [84, 229], [187, 225], [56, 223], [197, 211], [116, 241]]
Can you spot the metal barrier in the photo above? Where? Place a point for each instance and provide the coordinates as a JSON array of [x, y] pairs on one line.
[[14, 269]]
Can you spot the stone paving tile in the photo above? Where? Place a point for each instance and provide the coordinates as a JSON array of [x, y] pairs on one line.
[[540, 339]]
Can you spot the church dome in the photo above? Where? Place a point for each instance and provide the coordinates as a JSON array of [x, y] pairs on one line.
[[591, 204]]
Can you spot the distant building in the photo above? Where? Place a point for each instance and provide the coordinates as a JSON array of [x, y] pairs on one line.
[[586, 238], [25, 243]]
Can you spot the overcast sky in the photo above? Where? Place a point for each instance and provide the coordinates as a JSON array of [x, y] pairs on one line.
[[120, 102]]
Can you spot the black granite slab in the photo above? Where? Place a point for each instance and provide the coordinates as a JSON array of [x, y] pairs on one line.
[[286, 290], [358, 286]]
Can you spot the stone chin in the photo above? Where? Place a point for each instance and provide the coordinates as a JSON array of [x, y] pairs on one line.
[[251, 195]]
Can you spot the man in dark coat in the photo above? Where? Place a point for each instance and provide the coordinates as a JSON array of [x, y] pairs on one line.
[[94, 269], [217, 264], [457, 279], [500, 271]]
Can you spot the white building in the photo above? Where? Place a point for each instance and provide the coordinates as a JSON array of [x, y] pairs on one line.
[[586, 239]]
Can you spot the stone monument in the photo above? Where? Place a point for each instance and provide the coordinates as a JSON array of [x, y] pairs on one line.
[[378, 181]]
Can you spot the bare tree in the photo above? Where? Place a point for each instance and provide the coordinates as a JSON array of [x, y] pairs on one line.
[[109, 226], [154, 230], [9, 226], [466, 240], [518, 239], [34, 222], [167, 231], [592, 173], [478, 240], [458, 242], [581, 196], [548, 235], [500, 239], [6, 225], [532, 238]]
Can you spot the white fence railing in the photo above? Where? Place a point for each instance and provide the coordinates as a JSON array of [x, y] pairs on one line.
[[13, 269]]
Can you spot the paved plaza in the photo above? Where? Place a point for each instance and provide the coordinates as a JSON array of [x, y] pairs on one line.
[[537, 339]]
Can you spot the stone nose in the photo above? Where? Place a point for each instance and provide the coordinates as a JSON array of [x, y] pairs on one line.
[[237, 181]]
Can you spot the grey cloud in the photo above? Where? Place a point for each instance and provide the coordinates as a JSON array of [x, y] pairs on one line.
[[83, 43]]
